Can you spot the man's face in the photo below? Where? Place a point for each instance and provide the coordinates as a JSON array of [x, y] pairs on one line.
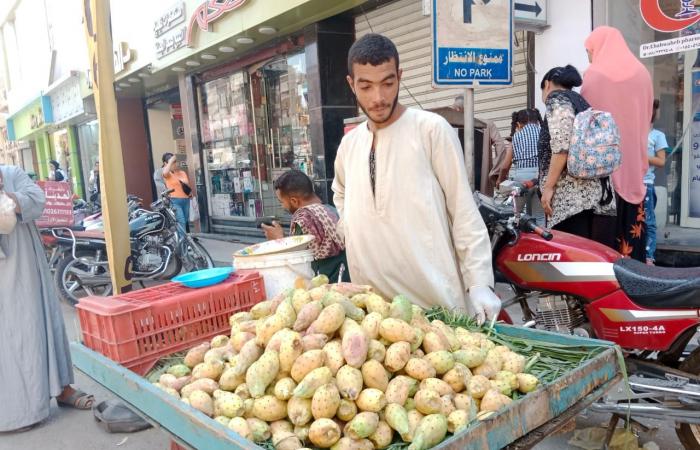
[[376, 89], [288, 202]]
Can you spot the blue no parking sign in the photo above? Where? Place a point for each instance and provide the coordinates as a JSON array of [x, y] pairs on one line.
[[472, 42]]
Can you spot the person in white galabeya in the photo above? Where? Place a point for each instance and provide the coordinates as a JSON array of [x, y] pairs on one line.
[[410, 222]]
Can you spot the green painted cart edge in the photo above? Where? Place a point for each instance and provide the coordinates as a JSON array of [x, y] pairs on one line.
[[179, 419]]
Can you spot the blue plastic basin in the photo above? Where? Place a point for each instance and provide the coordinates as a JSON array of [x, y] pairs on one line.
[[203, 278]]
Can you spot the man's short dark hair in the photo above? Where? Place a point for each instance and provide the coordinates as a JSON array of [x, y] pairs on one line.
[[373, 49], [294, 182]]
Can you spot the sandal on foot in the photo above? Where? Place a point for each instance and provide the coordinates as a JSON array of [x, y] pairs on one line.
[[78, 400]]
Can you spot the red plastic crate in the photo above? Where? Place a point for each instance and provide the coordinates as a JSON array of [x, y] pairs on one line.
[[137, 328]]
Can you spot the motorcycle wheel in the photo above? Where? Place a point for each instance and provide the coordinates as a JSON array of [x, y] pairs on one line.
[[68, 285], [195, 257], [688, 434]]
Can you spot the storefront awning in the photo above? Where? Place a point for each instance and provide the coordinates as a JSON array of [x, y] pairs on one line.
[[31, 118]]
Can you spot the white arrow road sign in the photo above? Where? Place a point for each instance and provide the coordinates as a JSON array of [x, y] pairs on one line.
[[530, 11]]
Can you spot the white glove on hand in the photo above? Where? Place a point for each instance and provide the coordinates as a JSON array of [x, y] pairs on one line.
[[485, 303]]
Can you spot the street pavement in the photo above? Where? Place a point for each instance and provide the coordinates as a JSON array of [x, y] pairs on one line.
[[68, 429]]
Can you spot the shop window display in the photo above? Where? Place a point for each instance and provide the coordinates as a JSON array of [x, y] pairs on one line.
[[228, 139], [254, 127]]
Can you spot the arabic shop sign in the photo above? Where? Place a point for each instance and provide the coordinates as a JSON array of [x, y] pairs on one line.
[[58, 209], [170, 42], [169, 30], [654, 16], [209, 12], [472, 43], [174, 15]]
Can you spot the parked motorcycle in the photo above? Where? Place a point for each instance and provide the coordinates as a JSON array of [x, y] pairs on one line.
[[91, 222], [160, 249], [584, 288]]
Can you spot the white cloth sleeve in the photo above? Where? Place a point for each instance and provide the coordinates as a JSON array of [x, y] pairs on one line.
[[469, 234]]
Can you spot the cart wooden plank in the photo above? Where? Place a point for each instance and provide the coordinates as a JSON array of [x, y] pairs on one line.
[[520, 418]]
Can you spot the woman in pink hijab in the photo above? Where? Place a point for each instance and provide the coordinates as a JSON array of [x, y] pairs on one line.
[[618, 83]]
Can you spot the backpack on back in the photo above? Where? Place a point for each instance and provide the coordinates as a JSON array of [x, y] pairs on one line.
[[595, 145]]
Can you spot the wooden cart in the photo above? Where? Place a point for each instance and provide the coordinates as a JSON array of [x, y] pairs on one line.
[[521, 425]]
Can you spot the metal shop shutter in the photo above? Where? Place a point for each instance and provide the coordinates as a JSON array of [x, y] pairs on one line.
[[404, 23]]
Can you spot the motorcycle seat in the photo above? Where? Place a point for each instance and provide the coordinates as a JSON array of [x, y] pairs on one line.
[[659, 287]]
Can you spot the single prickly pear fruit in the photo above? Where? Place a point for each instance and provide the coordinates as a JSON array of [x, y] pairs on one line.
[[259, 429], [371, 399], [401, 308], [312, 381], [397, 418], [346, 410], [457, 421], [428, 401], [442, 361], [437, 385], [228, 404], [397, 389], [313, 342], [363, 425], [420, 369], [396, 330], [307, 362], [299, 410], [430, 431], [333, 352], [284, 388], [319, 280], [374, 303], [290, 350], [266, 328], [328, 322], [349, 381], [382, 436], [269, 408], [325, 401], [202, 401], [434, 342], [376, 351], [375, 375], [397, 355], [324, 433], [286, 311], [250, 352], [371, 324], [355, 344], [262, 372], [307, 315], [300, 298]]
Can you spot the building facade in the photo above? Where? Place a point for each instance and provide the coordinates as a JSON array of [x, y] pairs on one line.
[[240, 91]]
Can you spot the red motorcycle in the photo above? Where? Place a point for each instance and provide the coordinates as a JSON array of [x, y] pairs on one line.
[[568, 284]]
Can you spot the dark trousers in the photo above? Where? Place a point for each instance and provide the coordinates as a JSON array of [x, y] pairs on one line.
[[580, 224]]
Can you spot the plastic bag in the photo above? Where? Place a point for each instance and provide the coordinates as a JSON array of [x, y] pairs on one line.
[[194, 210], [8, 217]]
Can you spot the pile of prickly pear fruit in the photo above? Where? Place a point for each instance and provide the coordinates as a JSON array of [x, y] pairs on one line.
[[338, 366]]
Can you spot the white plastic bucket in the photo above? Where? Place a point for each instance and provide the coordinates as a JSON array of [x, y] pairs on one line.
[[279, 270]]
